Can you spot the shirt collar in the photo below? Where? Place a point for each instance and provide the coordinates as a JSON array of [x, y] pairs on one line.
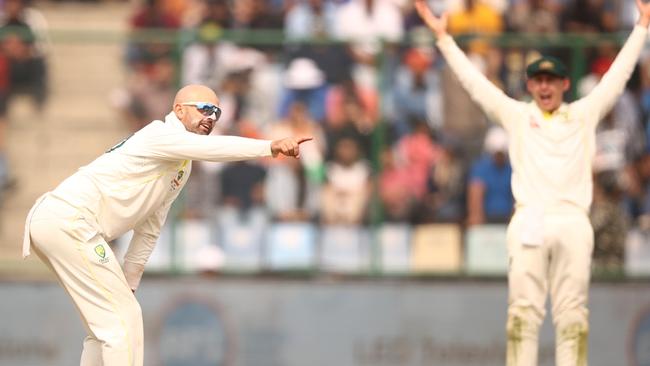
[[562, 110], [173, 121]]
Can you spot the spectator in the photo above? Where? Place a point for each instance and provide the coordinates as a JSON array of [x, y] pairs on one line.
[[151, 15], [396, 197], [534, 16], [489, 196], [310, 25], [310, 20], [475, 17], [610, 223], [213, 12], [347, 188], [299, 122], [207, 58], [23, 55], [636, 185], [463, 119], [590, 16], [352, 110], [366, 23], [19, 13], [305, 82], [148, 96], [242, 188], [255, 14], [290, 194], [619, 137], [417, 91], [444, 200], [293, 186], [419, 153], [332, 59]]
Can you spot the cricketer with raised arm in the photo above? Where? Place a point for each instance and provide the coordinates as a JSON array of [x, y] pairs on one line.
[[552, 143]]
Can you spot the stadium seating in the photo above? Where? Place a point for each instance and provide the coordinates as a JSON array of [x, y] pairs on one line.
[[436, 248], [344, 249], [637, 253], [291, 246], [242, 245], [394, 247], [486, 250], [198, 251]]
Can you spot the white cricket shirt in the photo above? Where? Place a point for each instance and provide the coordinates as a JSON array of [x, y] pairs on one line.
[[550, 155], [133, 184]]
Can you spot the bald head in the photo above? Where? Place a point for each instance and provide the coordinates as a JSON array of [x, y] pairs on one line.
[[196, 93], [187, 112]]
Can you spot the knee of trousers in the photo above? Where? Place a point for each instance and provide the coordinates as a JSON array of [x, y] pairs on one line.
[[128, 332], [523, 322], [572, 323]]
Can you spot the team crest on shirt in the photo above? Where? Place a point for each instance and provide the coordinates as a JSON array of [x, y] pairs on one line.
[[176, 182], [533, 122], [101, 252]]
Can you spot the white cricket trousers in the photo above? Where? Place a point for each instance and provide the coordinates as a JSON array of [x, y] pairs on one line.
[[89, 272], [561, 265]]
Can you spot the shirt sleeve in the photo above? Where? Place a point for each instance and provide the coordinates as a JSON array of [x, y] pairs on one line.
[[170, 144], [144, 240], [494, 102], [601, 99], [477, 172]]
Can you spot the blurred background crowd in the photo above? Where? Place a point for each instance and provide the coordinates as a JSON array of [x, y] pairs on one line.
[[397, 140]]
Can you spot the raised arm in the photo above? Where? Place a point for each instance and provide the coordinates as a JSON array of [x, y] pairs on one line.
[[601, 99], [494, 102]]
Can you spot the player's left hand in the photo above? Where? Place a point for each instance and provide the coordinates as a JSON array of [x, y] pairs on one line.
[[644, 12], [288, 146]]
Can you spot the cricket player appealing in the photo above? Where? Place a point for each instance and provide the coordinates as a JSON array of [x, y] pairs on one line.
[[550, 239], [130, 187]]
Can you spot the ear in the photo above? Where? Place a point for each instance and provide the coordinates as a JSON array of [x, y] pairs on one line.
[[178, 111]]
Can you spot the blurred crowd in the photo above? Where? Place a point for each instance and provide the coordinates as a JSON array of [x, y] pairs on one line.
[[24, 44], [396, 137]]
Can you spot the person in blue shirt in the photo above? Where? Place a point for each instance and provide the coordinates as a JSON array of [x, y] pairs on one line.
[[489, 195]]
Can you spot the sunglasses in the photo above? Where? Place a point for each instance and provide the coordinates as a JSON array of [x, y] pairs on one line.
[[206, 109]]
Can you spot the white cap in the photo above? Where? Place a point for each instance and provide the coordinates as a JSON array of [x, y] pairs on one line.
[[303, 73], [496, 140]]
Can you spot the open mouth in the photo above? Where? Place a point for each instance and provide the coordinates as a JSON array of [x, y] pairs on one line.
[[545, 98], [206, 126]]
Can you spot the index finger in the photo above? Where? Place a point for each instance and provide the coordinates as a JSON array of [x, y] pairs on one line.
[[303, 139]]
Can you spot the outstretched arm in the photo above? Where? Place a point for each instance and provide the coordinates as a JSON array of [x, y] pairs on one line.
[[604, 95], [491, 99]]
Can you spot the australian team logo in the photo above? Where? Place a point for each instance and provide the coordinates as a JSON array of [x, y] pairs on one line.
[[176, 182], [101, 253]]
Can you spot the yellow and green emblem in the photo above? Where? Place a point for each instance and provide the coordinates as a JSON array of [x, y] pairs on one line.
[[100, 251]]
